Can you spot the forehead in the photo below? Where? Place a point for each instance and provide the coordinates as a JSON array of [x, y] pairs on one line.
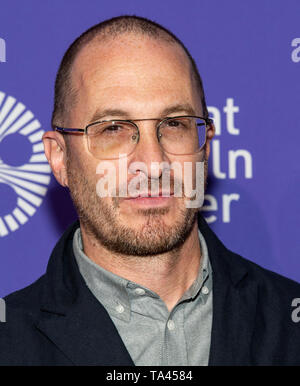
[[132, 70]]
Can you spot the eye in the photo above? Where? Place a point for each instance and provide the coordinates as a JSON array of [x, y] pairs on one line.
[[177, 123], [113, 128], [174, 123]]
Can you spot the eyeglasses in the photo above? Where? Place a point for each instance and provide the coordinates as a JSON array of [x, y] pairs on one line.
[[182, 135]]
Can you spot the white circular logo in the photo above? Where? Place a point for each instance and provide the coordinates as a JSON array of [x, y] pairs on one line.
[[24, 170]]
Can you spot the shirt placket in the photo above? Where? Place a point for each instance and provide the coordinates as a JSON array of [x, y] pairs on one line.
[[174, 347]]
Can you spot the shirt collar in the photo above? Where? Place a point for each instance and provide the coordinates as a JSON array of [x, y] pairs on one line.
[[116, 292]]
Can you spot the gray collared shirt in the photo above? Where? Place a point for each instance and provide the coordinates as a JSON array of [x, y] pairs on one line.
[[152, 335]]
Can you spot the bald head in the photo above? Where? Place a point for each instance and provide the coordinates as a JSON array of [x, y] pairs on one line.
[[96, 42]]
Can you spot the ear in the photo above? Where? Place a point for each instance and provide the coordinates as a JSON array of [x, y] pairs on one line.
[[209, 136], [55, 151]]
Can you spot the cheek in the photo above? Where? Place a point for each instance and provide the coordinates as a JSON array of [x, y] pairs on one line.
[[77, 161], [186, 169], [107, 179]]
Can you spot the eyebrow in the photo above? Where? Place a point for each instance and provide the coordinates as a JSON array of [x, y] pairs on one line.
[[185, 108]]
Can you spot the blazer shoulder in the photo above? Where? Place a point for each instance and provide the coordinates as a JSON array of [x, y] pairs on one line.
[[27, 297], [267, 279]]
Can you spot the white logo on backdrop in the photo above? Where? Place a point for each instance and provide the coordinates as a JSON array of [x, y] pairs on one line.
[[226, 167], [2, 50], [28, 181]]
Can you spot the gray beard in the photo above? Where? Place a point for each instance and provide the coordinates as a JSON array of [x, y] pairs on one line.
[[101, 222], [153, 238]]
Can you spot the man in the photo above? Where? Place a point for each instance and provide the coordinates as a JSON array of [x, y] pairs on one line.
[[141, 280]]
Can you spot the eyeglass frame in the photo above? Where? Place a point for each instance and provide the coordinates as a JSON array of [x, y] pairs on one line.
[[63, 130]]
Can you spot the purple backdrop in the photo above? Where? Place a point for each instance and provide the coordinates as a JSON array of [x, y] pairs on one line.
[[248, 53]]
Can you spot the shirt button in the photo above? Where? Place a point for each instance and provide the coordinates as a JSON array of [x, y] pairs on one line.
[[120, 308], [139, 291], [171, 325], [205, 290]]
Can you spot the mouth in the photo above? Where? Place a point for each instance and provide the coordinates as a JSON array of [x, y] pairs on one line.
[[151, 200]]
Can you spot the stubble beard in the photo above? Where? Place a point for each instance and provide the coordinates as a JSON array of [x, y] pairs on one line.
[[102, 222]]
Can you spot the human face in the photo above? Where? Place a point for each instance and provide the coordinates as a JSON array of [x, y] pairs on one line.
[[131, 78]]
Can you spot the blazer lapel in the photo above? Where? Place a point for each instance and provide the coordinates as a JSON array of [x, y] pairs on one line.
[[234, 312], [86, 335], [234, 304], [72, 318]]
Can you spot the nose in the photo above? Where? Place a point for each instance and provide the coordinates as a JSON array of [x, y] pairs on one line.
[[149, 151]]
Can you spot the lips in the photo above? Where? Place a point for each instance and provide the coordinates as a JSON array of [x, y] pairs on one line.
[[149, 196], [142, 201]]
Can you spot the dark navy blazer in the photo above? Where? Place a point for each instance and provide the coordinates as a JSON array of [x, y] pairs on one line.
[[58, 321]]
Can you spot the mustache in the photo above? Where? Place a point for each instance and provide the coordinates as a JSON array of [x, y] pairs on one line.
[[147, 186]]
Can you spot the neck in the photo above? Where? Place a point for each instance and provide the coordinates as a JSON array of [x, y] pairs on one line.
[[169, 275]]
